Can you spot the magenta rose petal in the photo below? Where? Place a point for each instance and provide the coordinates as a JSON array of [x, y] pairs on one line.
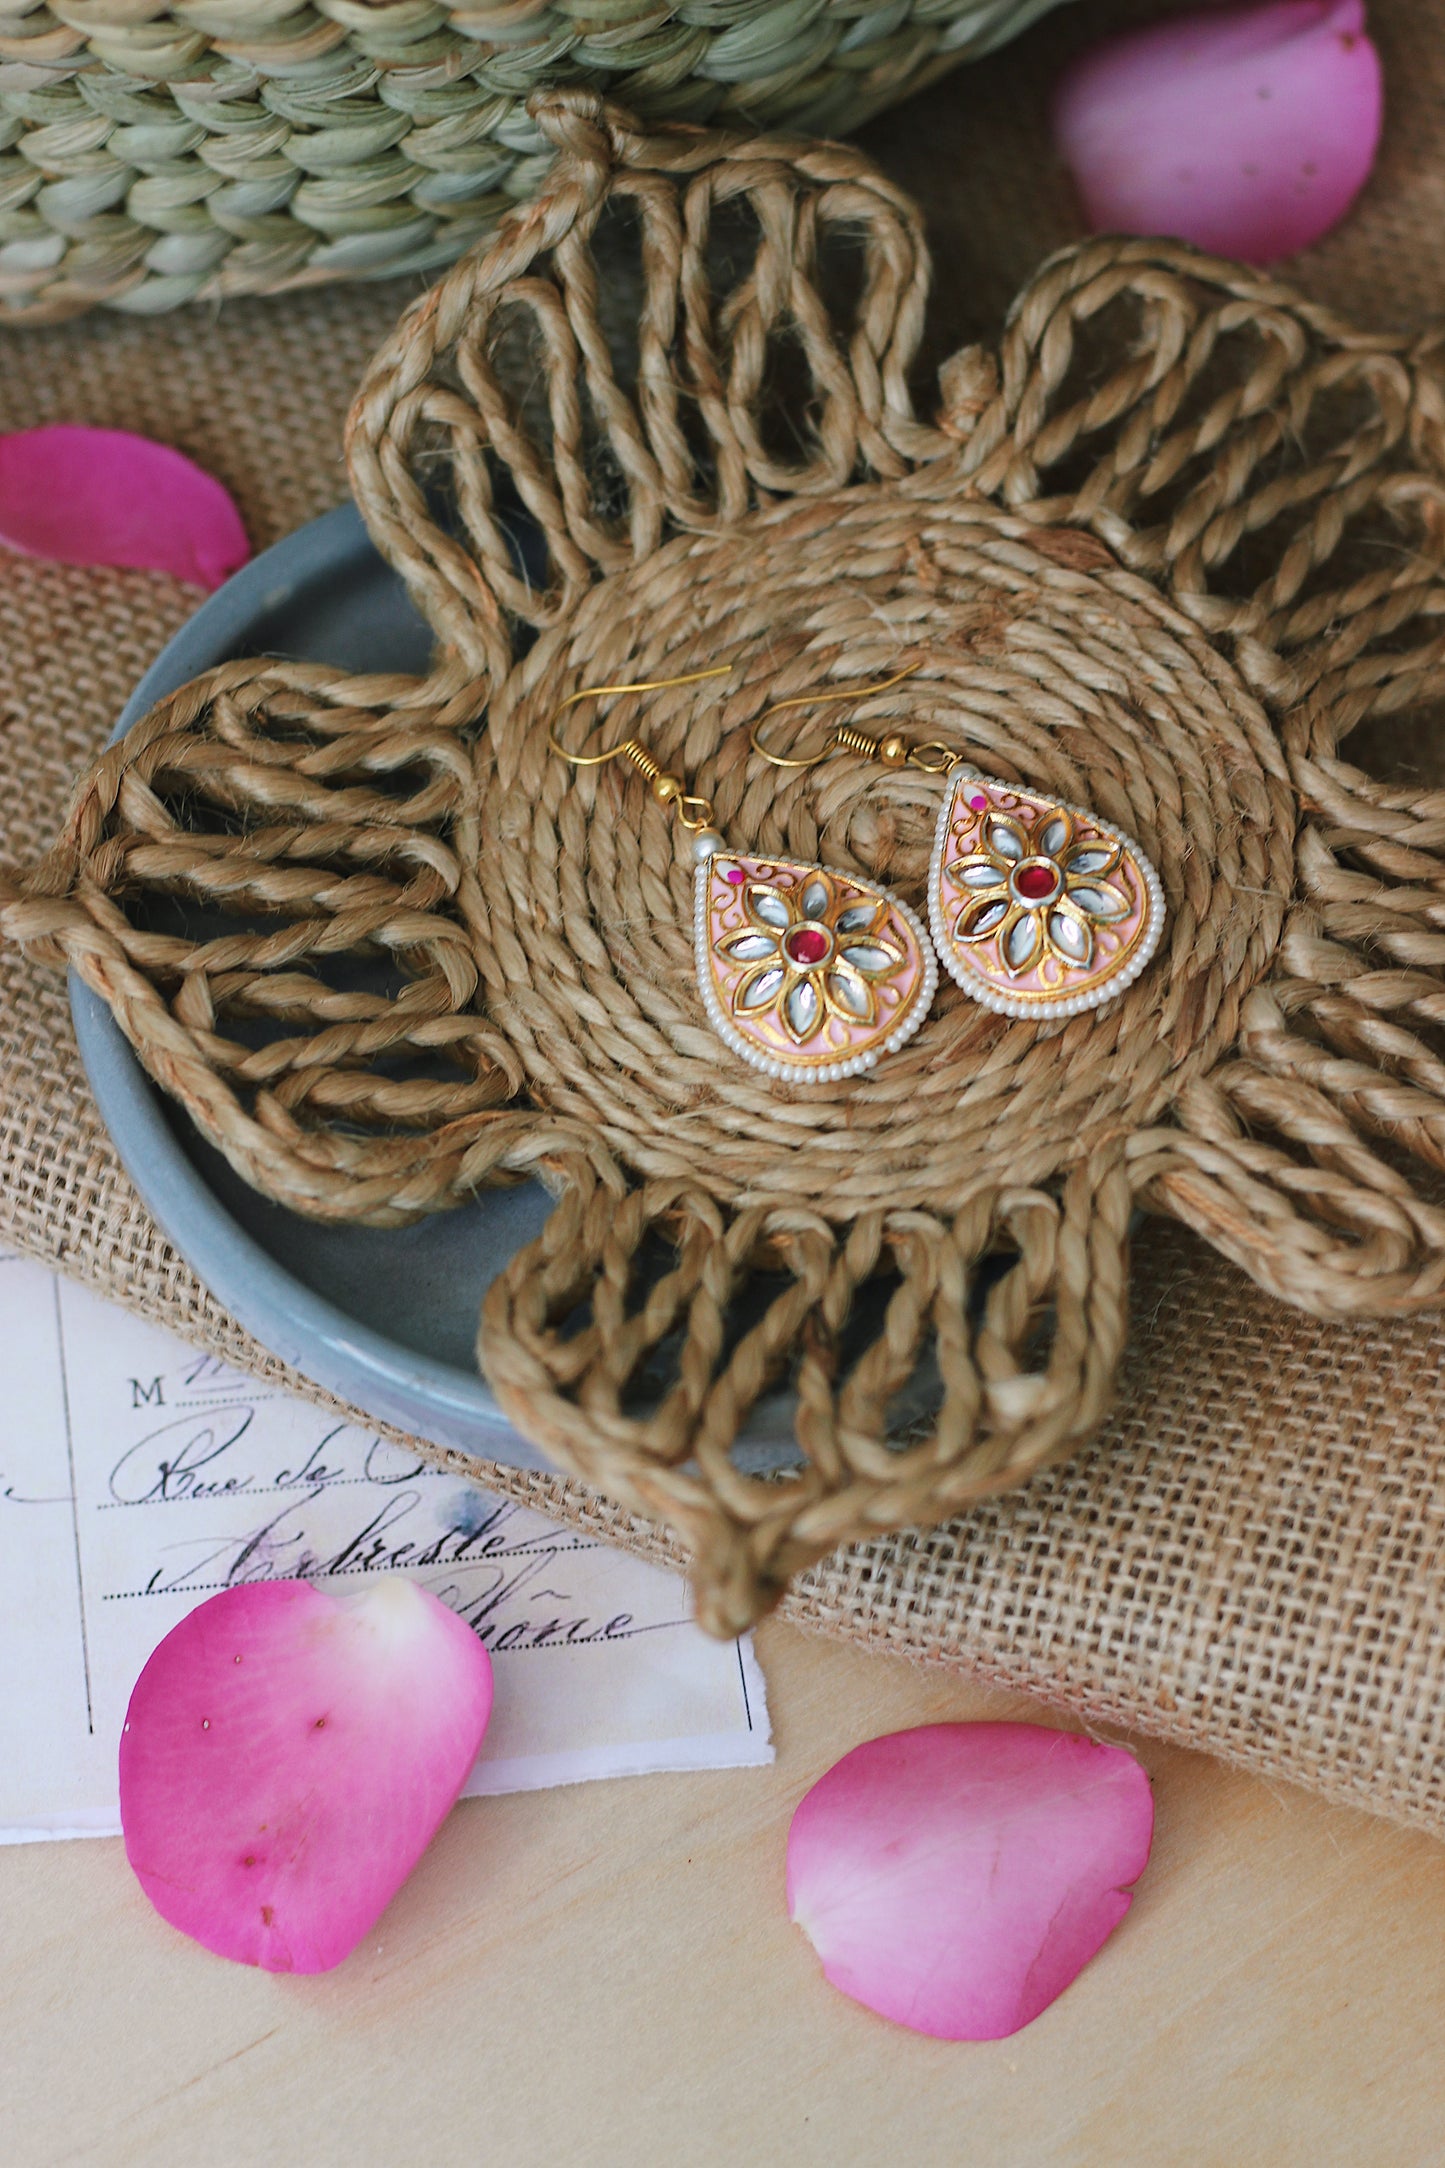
[[105, 497], [958, 1877], [288, 1756], [1249, 133]]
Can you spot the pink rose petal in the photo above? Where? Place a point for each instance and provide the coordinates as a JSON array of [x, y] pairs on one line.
[[104, 497], [1248, 133], [958, 1877], [287, 1758]]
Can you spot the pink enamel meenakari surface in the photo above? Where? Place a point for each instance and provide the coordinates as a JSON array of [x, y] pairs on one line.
[[808, 974], [1039, 909]]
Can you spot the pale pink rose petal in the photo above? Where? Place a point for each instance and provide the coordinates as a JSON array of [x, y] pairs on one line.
[[958, 1877], [287, 1758], [105, 497], [1248, 133]]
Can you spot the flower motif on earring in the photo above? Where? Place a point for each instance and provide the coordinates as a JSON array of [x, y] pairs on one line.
[[1038, 909], [807, 972]]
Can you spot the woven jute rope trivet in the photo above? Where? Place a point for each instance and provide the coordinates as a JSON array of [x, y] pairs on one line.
[[1159, 555]]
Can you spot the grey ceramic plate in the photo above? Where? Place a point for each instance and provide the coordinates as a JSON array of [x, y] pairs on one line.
[[384, 1318]]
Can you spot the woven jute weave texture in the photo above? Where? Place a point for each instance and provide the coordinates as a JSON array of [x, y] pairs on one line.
[[1246, 1560]]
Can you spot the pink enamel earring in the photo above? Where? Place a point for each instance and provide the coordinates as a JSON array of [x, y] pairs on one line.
[[807, 974], [1037, 908]]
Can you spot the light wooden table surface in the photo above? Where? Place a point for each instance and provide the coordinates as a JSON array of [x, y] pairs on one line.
[[606, 1975]]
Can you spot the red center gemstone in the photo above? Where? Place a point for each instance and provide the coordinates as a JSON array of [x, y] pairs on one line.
[[1036, 882], [807, 944]]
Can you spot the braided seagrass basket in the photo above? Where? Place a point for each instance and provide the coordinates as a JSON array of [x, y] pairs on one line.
[[160, 151], [1159, 555]]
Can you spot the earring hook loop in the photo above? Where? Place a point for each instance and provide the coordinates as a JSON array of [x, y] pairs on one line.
[[629, 747], [852, 742]]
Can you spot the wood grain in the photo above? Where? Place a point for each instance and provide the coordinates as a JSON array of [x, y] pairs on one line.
[[605, 1975]]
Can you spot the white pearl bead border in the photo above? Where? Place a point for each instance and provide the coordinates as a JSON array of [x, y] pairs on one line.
[[1042, 1007], [787, 1072]]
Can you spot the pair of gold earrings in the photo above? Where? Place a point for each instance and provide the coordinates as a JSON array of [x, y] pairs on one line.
[[1037, 909]]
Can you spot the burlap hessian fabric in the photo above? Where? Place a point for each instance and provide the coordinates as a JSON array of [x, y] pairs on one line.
[[1246, 1559]]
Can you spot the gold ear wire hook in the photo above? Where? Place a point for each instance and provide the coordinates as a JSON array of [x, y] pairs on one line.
[[629, 749], [692, 813], [844, 738]]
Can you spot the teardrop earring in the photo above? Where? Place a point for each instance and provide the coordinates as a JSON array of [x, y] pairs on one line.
[[1037, 908], [806, 973]]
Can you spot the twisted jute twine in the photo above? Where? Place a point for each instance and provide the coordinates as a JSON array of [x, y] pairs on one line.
[[152, 155], [1158, 555]]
